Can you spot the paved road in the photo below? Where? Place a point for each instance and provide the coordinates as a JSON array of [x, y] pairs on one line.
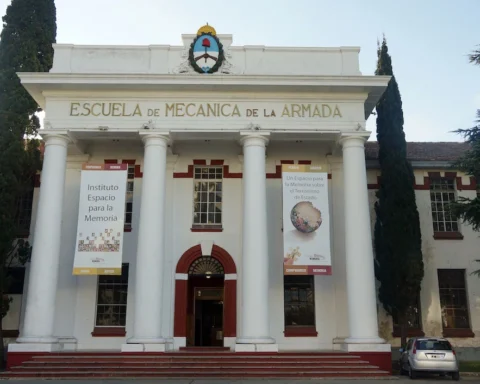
[[426, 380]]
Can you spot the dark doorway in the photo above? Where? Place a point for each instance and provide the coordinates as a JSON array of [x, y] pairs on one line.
[[208, 317], [205, 317]]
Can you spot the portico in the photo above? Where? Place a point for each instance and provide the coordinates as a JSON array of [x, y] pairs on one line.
[[204, 155]]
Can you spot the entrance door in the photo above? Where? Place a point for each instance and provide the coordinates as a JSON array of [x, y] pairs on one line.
[[208, 317], [205, 318]]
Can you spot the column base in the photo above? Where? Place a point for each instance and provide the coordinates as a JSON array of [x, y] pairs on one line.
[[256, 347], [146, 340], [37, 340], [366, 340], [366, 347], [35, 347], [163, 347]]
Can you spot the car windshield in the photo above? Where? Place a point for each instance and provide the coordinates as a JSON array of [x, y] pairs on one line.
[[438, 345]]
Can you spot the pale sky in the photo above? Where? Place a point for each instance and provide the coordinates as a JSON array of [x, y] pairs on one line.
[[429, 41]]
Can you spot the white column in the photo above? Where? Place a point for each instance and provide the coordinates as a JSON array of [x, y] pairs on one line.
[[147, 326], [362, 308], [43, 275], [254, 333]]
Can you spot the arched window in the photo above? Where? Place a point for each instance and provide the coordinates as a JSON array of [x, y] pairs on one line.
[[206, 266]]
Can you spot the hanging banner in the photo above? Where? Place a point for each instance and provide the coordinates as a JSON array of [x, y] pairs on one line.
[[99, 245], [306, 221]]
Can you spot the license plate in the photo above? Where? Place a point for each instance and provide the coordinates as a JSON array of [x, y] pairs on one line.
[[437, 356]]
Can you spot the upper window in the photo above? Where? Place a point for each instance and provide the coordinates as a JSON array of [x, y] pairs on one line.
[[129, 196], [299, 301], [442, 193], [207, 196], [112, 300], [453, 298]]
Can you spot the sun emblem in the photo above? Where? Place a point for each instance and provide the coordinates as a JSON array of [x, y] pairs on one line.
[[206, 52]]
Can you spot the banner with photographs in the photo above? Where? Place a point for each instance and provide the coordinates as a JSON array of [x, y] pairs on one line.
[[306, 221]]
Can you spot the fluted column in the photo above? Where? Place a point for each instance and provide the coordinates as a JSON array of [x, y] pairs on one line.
[[362, 308], [43, 276], [150, 248], [254, 333]]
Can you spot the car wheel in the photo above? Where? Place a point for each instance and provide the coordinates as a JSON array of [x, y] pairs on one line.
[[412, 373], [456, 376]]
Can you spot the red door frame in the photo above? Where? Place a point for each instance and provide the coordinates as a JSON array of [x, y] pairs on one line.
[[230, 290]]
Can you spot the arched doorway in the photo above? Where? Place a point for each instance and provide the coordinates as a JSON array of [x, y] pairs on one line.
[[203, 284]]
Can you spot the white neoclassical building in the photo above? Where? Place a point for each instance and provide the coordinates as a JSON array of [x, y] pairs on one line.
[[202, 134]]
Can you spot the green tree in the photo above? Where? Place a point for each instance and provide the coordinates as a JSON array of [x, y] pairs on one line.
[[397, 239], [29, 30], [467, 209]]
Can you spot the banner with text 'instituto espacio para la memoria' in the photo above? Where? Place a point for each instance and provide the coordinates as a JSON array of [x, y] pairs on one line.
[[306, 221], [99, 245]]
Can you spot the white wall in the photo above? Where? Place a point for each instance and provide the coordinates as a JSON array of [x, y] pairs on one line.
[[439, 254]]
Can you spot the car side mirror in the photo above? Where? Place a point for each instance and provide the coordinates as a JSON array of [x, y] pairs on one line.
[[400, 350]]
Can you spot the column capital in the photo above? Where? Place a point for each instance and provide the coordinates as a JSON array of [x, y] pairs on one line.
[[349, 140], [157, 139], [254, 139], [56, 139]]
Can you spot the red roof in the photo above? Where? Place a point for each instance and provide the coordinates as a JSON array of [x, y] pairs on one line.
[[423, 151]]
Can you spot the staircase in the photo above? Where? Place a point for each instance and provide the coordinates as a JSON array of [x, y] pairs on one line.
[[195, 364]]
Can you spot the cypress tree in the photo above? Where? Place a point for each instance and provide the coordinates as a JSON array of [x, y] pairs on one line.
[[397, 237], [29, 30]]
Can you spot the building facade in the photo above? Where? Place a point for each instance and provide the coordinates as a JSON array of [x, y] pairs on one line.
[[204, 130]]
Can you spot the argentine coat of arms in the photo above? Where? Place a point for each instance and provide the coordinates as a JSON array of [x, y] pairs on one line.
[[206, 52]]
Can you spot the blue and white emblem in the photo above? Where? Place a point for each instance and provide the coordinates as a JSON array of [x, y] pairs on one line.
[[206, 52]]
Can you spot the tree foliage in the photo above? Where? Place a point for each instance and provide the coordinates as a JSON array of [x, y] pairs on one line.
[[397, 237], [29, 30], [468, 209]]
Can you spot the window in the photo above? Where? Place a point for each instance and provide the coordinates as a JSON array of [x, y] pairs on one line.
[[207, 197], [442, 193], [112, 300], [414, 321], [453, 298], [15, 278], [299, 301], [129, 196]]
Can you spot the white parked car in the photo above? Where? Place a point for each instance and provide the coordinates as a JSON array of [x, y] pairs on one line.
[[429, 355]]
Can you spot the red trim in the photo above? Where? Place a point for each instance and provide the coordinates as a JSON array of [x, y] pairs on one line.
[[138, 172], [180, 315], [411, 332], [305, 162], [447, 236], [181, 291], [131, 162], [458, 332], [199, 162], [228, 175], [127, 228], [374, 186], [383, 360], [466, 187], [109, 332], [277, 174], [36, 182], [206, 229], [426, 184], [184, 175], [434, 175], [230, 308], [450, 175], [329, 176], [300, 332], [217, 162], [10, 333], [110, 161], [287, 162]]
